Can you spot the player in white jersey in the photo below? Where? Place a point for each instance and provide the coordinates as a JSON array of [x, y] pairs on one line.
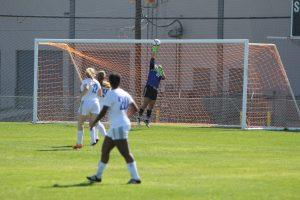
[[89, 107], [116, 102], [105, 86]]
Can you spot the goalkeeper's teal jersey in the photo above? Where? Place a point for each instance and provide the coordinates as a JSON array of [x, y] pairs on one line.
[[154, 77]]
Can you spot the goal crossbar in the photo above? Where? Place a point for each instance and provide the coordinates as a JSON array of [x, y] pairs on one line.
[[252, 103], [142, 41]]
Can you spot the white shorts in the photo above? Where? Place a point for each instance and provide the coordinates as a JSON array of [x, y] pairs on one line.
[[119, 133], [89, 107]]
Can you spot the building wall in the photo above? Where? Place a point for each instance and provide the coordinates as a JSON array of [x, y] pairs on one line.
[[199, 21]]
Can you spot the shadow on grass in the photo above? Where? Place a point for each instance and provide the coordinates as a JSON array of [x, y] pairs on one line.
[[58, 148], [57, 185], [74, 185], [55, 150], [84, 184], [65, 146]]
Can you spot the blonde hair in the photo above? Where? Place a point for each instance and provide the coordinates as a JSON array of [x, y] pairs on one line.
[[106, 84], [90, 72]]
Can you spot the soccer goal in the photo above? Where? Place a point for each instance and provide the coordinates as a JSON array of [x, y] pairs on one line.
[[209, 82]]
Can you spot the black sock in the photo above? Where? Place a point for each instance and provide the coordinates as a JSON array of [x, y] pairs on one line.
[[149, 113], [141, 112]]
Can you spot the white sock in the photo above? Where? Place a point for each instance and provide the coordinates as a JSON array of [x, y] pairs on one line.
[[101, 167], [100, 127], [79, 137], [92, 135], [96, 135], [133, 170]]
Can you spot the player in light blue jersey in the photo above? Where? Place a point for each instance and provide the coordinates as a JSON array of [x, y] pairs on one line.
[[155, 75]]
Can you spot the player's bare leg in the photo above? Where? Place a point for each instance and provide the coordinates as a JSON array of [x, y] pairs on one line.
[[80, 126], [93, 135], [99, 127], [149, 112], [123, 148], [107, 145], [146, 101]]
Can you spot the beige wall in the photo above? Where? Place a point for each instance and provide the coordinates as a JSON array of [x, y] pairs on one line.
[[19, 33]]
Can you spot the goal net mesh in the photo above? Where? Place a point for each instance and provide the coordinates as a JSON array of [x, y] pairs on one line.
[[204, 82]]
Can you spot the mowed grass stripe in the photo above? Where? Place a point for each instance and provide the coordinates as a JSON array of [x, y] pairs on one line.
[[175, 162]]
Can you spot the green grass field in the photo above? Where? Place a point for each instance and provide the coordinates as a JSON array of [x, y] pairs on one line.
[[174, 162]]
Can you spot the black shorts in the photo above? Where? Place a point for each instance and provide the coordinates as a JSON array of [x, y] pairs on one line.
[[150, 92]]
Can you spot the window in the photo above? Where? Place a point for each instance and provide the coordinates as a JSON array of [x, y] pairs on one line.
[[24, 78]]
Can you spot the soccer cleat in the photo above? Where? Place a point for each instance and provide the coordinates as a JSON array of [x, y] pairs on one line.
[[147, 122], [93, 179], [77, 146], [93, 144], [134, 181]]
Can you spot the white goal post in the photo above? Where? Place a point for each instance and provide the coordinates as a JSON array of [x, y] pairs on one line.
[[210, 81]]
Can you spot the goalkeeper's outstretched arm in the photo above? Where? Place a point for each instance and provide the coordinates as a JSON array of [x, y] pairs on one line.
[[153, 56], [155, 46], [154, 50]]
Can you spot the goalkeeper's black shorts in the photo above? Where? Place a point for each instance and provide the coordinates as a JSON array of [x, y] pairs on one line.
[[150, 92]]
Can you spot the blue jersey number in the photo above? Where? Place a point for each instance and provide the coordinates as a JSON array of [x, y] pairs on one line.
[[95, 88], [123, 103], [104, 91]]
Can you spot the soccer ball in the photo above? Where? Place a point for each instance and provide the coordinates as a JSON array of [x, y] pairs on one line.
[[156, 42]]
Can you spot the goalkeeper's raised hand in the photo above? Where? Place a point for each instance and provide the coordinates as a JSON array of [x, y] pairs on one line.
[[154, 49], [155, 45], [160, 70]]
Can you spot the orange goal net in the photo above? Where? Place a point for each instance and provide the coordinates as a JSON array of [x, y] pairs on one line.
[[209, 82]]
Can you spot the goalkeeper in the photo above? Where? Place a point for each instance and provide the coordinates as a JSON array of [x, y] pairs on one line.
[[155, 75]]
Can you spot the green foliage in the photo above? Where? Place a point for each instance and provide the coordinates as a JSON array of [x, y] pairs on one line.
[[37, 162]]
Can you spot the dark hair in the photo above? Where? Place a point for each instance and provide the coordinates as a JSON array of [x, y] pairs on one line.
[[100, 76], [114, 80]]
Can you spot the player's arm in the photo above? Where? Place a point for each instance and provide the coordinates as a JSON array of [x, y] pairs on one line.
[[100, 116], [84, 89], [100, 93], [154, 50], [134, 106], [152, 62], [132, 109]]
